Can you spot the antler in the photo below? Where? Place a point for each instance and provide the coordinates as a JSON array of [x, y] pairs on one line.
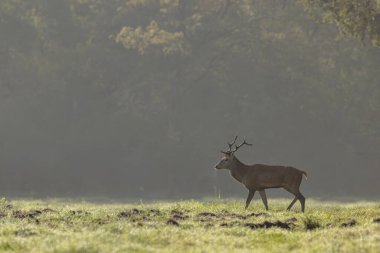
[[230, 151], [239, 146], [230, 144]]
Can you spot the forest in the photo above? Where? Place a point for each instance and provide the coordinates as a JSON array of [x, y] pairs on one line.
[[136, 98]]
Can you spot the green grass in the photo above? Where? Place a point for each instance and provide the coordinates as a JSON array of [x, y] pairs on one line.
[[70, 226]]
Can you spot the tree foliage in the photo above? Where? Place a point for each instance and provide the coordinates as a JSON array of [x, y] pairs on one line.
[[359, 18]]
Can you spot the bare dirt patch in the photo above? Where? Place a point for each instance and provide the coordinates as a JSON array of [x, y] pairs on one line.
[[207, 214], [289, 224], [49, 210], [243, 217], [172, 222], [349, 223], [79, 212], [231, 224], [177, 212], [179, 217], [268, 224], [260, 214], [226, 214], [130, 213], [154, 212], [291, 220], [137, 215], [22, 215]]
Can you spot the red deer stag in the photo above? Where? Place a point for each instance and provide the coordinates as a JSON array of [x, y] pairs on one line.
[[259, 177]]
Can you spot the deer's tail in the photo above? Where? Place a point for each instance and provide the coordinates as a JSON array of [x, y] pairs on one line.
[[303, 172]]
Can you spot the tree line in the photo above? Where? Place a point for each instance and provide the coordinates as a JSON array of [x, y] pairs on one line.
[[125, 97]]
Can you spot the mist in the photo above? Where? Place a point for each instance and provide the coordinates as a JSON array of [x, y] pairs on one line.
[[136, 99]]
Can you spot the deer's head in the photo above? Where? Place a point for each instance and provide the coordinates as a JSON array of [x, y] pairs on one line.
[[229, 155]]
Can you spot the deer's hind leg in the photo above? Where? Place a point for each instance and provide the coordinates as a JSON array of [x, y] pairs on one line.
[[301, 198], [295, 190], [291, 204]]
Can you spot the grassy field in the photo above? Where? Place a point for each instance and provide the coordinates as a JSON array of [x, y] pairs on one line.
[[188, 226]]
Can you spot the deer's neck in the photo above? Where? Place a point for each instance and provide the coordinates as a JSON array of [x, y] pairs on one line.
[[238, 170]]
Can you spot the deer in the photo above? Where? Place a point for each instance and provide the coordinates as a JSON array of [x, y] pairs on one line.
[[258, 177]]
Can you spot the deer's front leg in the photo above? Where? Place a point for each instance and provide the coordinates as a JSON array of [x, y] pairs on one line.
[[249, 198], [264, 198]]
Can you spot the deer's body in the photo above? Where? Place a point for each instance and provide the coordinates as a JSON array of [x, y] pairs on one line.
[[259, 177]]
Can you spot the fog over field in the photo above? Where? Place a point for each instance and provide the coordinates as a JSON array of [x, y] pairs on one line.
[[135, 99]]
